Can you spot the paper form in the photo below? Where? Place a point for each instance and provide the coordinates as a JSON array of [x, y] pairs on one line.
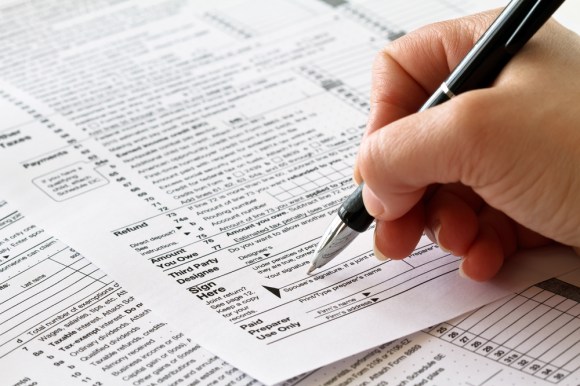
[[528, 338], [64, 322], [196, 154]]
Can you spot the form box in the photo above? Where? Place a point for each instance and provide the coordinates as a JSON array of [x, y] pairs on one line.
[[70, 181]]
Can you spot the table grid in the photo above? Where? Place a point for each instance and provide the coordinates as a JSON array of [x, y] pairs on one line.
[[536, 331], [38, 280], [316, 179], [332, 83]]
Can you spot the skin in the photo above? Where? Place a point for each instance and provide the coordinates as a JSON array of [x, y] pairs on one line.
[[488, 173]]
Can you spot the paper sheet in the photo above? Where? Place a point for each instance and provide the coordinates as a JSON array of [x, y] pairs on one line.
[[529, 338], [64, 322], [196, 153]]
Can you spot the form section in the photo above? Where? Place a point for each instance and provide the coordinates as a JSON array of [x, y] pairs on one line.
[[197, 151], [73, 325]]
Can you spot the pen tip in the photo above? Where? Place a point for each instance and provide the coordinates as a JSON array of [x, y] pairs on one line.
[[311, 269]]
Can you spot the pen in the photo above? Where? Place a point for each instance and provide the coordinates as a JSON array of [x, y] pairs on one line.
[[514, 26]]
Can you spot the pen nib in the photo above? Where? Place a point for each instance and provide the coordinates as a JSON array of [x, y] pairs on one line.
[[337, 236]]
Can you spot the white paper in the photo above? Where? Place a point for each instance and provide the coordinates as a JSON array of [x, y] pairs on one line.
[[64, 322], [196, 155], [529, 338]]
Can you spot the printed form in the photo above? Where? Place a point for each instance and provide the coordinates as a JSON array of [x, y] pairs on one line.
[[196, 153], [64, 322]]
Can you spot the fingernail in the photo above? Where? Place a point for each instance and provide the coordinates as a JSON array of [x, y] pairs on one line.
[[430, 235], [436, 230], [356, 177], [378, 254], [462, 272], [577, 250], [372, 203]]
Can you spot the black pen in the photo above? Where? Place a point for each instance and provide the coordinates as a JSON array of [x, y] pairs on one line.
[[515, 25]]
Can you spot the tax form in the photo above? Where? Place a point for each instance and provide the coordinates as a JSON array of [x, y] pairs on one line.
[[65, 322], [196, 153], [528, 338]]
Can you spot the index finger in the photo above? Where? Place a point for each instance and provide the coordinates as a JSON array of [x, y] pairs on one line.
[[408, 70], [411, 68]]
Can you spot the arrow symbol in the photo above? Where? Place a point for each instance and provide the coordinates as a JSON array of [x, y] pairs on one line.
[[267, 254], [375, 299], [187, 233], [273, 290], [366, 293], [178, 227], [6, 256]]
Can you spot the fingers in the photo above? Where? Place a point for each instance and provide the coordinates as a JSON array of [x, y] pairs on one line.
[[484, 258], [461, 223], [397, 239], [409, 69], [498, 237], [453, 142], [520, 160], [450, 143], [452, 220], [401, 83]]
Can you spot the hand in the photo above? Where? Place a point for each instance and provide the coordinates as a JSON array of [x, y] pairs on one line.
[[487, 173]]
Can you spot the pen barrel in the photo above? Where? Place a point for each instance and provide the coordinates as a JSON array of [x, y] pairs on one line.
[[353, 213], [510, 31], [435, 99]]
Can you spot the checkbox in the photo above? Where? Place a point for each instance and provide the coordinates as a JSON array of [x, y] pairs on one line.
[[274, 191], [296, 191], [284, 196], [310, 186]]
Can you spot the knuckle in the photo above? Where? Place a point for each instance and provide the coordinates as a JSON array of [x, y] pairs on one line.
[[474, 135], [373, 157]]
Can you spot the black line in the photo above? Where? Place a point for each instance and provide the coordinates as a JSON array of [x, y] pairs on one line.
[[28, 307], [396, 285], [347, 145], [374, 285], [12, 222], [362, 308], [502, 330], [248, 265], [333, 285], [58, 312], [29, 288], [23, 252], [78, 270], [490, 378], [10, 215]]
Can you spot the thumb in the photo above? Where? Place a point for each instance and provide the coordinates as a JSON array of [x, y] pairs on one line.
[[448, 143]]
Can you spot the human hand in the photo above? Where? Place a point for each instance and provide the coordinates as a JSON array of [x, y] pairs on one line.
[[491, 171]]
